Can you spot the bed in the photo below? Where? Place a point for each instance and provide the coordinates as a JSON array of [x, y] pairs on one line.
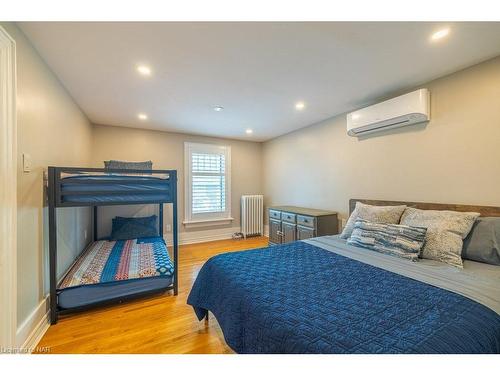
[[325, 296], [115, 269], [109, 271]]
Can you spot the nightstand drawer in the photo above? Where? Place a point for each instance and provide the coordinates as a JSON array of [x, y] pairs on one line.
[[274, 214], [303, 233], [288, 217], [307, 221], [275, 233]]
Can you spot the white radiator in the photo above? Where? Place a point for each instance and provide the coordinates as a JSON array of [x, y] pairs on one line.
[[252, 215]]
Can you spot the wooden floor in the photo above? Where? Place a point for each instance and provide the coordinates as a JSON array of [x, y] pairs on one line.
[[159, 324]]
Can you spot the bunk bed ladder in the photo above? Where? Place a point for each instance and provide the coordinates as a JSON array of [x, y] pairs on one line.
[[160, 220], [95, 208], [175, 230], [52, 246]]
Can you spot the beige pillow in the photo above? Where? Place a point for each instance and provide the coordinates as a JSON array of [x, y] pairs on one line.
[[375, 214], [446, 231]]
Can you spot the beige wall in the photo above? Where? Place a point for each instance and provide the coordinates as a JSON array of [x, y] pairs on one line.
[[454, 159], [166, 150], [53, 130]]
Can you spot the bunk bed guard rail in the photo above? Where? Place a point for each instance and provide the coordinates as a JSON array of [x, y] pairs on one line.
[[76, 187]]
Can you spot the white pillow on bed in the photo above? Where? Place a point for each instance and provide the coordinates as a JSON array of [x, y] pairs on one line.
[[446, 231], [375, 214]]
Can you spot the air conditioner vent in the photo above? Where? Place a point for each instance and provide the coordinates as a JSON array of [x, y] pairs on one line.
[[408, 109]]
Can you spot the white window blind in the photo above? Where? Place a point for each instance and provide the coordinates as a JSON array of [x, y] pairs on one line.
[[207, 182]]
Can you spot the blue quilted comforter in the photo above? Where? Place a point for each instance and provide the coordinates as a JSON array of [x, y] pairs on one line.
[[298, 298]]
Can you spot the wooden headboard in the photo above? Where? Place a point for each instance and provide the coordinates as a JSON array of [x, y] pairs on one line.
[[483, 210]]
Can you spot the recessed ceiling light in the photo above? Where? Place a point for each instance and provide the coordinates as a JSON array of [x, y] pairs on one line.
[[440, 34], [300, 106], [144, 70], [249, 131], [142, 116], [218, 108]]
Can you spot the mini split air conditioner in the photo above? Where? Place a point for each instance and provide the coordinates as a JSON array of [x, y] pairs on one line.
[[408, 109]]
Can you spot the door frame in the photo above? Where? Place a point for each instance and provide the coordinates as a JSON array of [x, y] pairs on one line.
[[8, 192]]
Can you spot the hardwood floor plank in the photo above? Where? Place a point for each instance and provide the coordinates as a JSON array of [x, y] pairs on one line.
[[157, 324]]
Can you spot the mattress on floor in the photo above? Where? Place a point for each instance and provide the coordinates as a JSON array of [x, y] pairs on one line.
[[113, 269]]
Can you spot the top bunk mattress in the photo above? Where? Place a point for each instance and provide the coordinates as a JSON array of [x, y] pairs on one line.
[[114, 188]]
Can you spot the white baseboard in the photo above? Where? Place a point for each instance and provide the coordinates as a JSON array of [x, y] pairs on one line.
[[31, 331], [208, 235], [204, 235]]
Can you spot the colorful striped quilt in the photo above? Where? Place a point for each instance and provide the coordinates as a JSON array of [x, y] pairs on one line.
[[107, 261]]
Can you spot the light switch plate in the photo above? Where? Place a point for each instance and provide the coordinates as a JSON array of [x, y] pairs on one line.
[[26, 163]]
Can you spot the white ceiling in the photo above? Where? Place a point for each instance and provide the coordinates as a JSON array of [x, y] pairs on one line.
[[256, 71]]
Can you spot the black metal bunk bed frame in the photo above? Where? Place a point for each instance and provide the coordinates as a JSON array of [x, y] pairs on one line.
[[55, 198]]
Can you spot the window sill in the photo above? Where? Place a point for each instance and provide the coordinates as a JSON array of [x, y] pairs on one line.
[[208, 222]]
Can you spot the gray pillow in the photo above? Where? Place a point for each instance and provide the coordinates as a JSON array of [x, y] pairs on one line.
[[483, 242], [397, 240], [117, 164], [375, 214], [445, 232]]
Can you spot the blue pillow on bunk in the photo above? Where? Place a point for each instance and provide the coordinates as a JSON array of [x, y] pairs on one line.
[[127, 228]]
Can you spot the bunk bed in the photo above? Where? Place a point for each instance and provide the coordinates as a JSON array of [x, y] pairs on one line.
[[99, 276]]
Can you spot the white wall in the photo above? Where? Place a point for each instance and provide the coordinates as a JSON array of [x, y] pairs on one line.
[[54, 131], [454, 159]]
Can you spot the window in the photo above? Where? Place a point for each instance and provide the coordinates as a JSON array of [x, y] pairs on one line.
[[208, 183]]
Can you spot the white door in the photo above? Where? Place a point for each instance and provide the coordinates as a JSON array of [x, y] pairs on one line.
[[8, 188]]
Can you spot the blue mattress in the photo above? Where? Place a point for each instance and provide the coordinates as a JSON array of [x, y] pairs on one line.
[[300, 298], [114, 188], [115, 269], [88, 294]]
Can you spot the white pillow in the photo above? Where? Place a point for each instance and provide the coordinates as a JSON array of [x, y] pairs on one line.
[[375, 214], [446, 231]]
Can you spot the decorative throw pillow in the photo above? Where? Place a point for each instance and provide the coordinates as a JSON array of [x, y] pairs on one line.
[[127, 228], [483, 242], [375, 214], [403, 241], [445, 232], [117, 164]]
